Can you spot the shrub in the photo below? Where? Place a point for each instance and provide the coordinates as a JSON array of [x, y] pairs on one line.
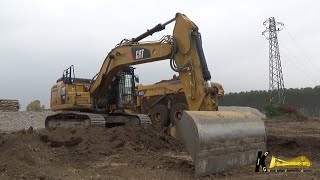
[[273, 109], [35, 106], [279, 109]]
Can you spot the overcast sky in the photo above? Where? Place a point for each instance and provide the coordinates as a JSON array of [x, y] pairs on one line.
[[40, 38]]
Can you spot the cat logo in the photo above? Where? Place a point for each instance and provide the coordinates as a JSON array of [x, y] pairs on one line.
[[140, 53]]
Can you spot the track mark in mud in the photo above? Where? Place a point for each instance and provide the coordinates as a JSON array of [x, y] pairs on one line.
[[73, 141]]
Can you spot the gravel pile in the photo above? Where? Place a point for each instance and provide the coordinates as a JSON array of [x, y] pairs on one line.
[[12, 121]]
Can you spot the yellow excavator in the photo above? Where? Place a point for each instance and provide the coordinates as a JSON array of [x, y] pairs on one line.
[[216, 141]]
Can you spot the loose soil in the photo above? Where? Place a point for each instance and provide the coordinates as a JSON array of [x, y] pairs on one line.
[[143, 152]]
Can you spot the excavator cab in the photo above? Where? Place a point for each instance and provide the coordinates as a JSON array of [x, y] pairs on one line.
[[71, 93], [122, 94], [126, 97]]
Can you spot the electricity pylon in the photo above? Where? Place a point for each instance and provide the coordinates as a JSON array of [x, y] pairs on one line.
[[276, 84]]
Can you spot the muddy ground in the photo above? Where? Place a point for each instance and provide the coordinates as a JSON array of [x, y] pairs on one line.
[[139, 153]]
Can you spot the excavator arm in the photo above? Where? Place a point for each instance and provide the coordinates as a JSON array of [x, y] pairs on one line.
[[126, 55], [184, 49]]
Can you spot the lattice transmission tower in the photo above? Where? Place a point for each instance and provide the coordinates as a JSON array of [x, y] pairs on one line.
[[276, 84]]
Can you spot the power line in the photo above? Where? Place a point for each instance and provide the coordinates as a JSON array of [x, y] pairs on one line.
[[305, 72], [297, 66], [301, 49]]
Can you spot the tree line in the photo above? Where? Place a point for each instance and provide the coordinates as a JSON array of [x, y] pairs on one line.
[[305, 99]]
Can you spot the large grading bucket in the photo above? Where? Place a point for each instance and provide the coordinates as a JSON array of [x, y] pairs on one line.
[[221, 140]]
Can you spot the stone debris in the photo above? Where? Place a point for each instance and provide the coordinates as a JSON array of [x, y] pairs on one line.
[[13, 121]]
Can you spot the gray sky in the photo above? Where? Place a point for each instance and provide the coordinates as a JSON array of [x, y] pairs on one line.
[[40, 38]]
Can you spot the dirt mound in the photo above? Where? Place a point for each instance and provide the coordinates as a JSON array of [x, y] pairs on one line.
[[142, 152], [30, 153], [294, 146], [122, 138]]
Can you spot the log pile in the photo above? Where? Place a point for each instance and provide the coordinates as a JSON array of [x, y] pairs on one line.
[[9, 105]]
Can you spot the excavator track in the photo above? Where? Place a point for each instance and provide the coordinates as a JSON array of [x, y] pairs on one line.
[[144, 119], [80, 119]]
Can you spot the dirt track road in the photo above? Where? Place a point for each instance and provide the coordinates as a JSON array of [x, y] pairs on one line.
[[139, 153]]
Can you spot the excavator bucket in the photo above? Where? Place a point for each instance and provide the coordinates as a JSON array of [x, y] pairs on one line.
[[221, 140]]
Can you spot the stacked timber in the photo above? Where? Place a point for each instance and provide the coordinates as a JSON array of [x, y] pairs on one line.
[[9, 105]]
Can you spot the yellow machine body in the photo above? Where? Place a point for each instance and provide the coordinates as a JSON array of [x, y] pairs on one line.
[[166, 88], [217, 141], [169, 94], [70, 96]]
